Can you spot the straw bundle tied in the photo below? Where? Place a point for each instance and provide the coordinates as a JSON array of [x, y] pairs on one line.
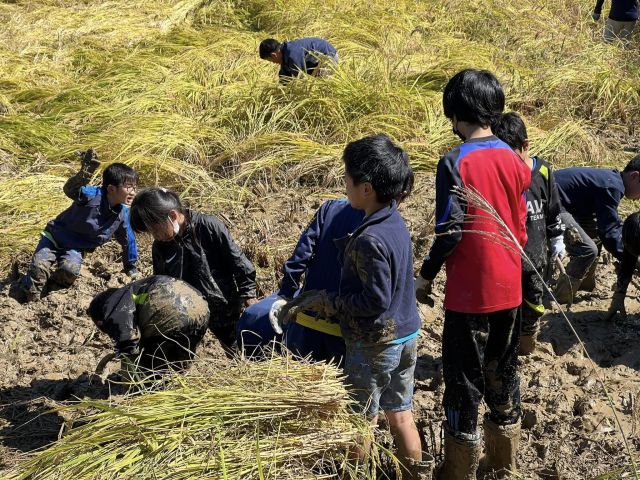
[[279, 418]]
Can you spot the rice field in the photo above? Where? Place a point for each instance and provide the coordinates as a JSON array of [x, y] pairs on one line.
[[177, 90]]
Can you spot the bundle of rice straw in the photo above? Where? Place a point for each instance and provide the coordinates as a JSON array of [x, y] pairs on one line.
[[279, 419]]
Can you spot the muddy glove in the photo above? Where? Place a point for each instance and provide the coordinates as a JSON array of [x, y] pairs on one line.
[[617, 306], [274, 312], [424, 289], [127, 348], [318, 301], [89, 161], [558, 249]]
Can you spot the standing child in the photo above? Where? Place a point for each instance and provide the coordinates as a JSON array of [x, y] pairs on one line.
[[483, 292], [543, 226], [96, 215], [375, 304], [198, 249]]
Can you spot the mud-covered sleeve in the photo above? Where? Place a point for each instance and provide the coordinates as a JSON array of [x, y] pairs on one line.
[[127, 240], [609, 223], [119, 319], [554, 224], [298, 262], [626, 271], [449, 217], [243, 271], [370, 260]]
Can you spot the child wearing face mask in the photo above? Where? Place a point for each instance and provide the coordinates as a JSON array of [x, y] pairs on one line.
[[198, 249]]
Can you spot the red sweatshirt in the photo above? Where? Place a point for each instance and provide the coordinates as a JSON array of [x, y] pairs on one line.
[[483, 275]]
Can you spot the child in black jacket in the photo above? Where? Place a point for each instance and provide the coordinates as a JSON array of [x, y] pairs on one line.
[[198, 249]]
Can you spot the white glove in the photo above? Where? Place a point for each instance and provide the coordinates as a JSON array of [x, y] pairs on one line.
[[557, 247], [274, 312], [423, 290]]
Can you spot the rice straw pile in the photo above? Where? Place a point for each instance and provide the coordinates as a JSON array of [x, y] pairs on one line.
[[279, 419]]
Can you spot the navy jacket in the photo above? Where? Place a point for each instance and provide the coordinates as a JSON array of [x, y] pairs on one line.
[[621, 10], [593, 194], [206, 257], [90, 222], [302, 55], [376, 302], [316, 255]]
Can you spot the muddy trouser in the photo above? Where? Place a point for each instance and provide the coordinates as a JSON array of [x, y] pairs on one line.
[[176, 350], [617, 30], [581, 247], [532, 294], [50, 262], [480, 358], [223, 321]]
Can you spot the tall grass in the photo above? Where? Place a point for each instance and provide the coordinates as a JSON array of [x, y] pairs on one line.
[[176, 89]]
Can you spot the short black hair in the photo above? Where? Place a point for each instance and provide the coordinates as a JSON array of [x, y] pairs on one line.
[[633, 165], [269, 46], [379, 161], [510, 128], [97, 305], [152, 206], [631, 234], [473, 96], [118, 174]]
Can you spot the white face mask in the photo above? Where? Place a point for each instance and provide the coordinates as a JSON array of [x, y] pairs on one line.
[[175, 225]]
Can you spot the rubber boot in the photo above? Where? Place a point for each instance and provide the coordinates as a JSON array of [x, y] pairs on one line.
[[527, 343], [461, 458], [588, 283], [501, 445], [566, 289], [422, 470]]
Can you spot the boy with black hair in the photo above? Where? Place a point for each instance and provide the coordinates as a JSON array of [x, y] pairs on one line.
[[375, 303], [303, 55], [160, 318], [483, 291], [543, 226], [96, 214], [590, 198], [628, 264]]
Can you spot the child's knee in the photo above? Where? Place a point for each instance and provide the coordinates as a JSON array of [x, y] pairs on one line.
[[68, 271]]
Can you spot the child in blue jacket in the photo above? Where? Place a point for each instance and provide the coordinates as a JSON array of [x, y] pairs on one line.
[[375, 303], [96, 215]]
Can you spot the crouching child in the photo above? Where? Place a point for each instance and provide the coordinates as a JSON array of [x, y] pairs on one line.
[[156, 322], [628, 264], [96, 215], [375, 302]]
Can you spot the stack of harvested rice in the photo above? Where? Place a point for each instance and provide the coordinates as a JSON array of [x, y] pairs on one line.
[[278, 419]]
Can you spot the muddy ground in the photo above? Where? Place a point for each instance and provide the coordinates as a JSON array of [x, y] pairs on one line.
[[49, 349]]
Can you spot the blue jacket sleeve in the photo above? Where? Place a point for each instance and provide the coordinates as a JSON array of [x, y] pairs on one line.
[[554, 224], [371, 261], [298, 262], [127, 239], [609, 223], [449, 218]]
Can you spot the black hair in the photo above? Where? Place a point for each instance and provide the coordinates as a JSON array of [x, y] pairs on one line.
[[152, 206], [379, 161], [118, 174], [473, 96], [633, 165], [269, 46], [510, 128], [407, 185], [96, 307], [631, 234]]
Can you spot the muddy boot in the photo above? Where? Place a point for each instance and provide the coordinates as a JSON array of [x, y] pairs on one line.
[[588, 283], [501, 445], [566, 289], [419, 470], [461, 458], [527, 343]]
